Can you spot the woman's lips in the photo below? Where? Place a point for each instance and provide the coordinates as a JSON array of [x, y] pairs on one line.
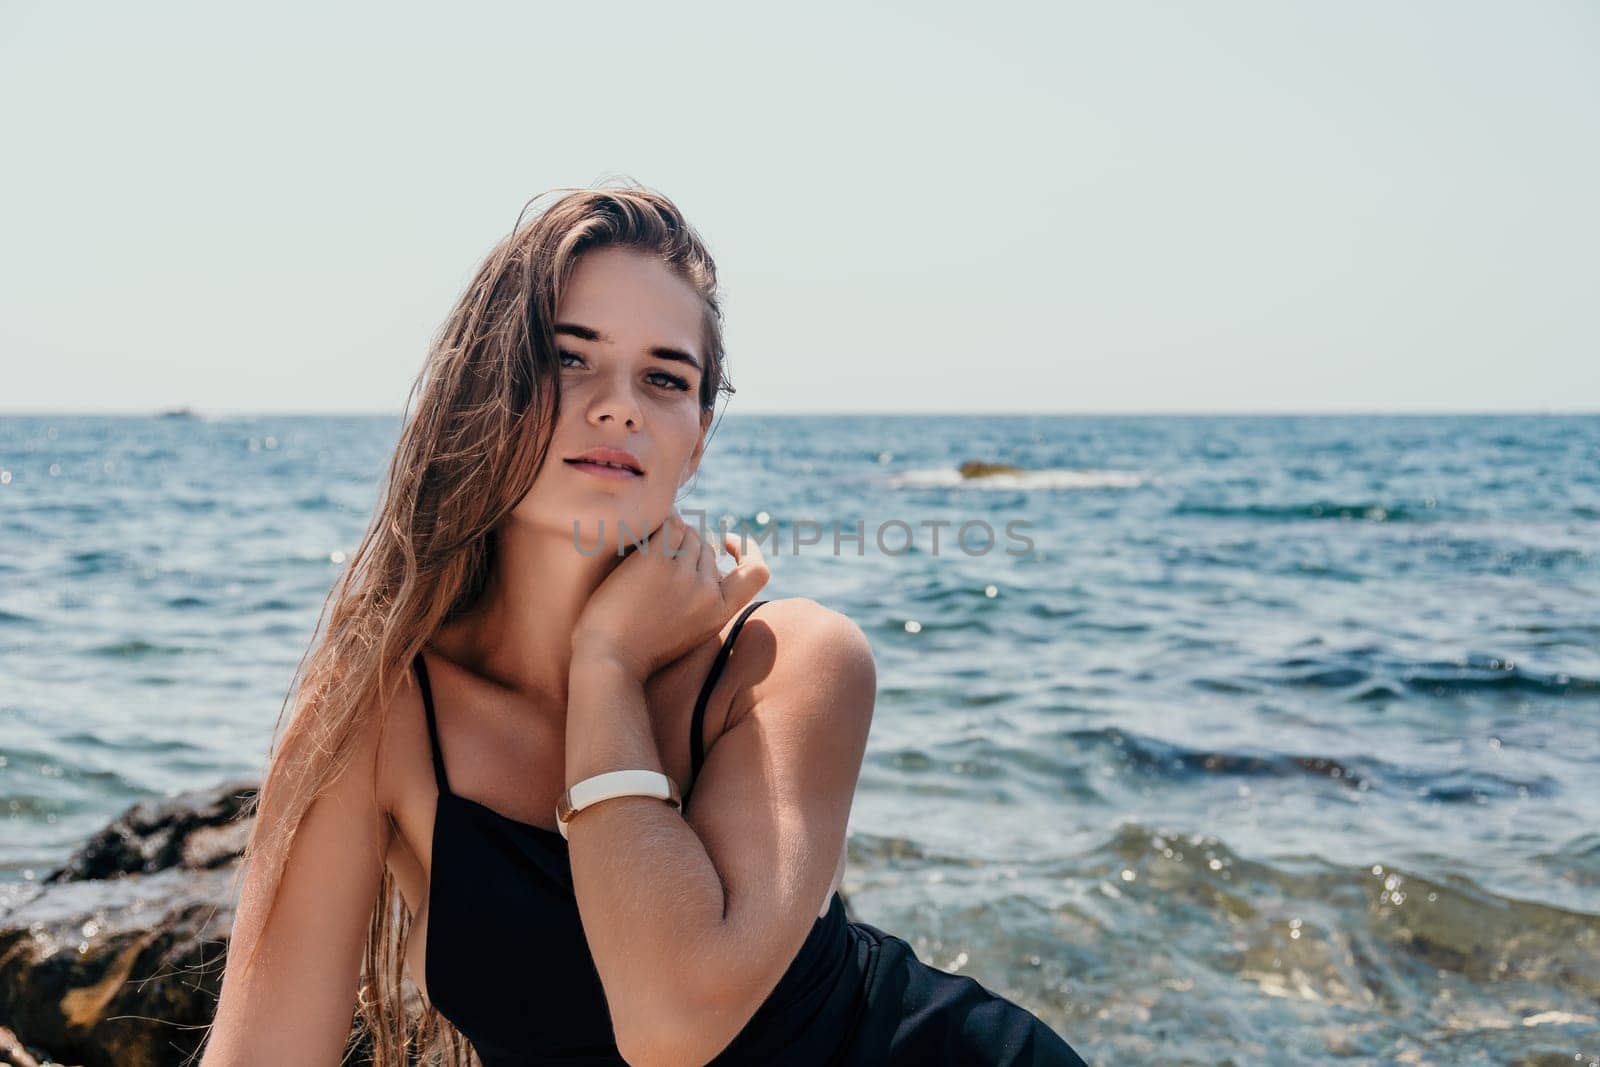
[[600, 470]]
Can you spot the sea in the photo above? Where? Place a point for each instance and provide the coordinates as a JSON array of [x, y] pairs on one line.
[[1209, 739]]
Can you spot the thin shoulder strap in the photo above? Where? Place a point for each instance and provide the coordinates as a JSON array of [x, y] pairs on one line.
[[697, 746], [433, 726]]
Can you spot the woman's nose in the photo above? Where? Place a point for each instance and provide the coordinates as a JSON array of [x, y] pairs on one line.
[[614, 401]]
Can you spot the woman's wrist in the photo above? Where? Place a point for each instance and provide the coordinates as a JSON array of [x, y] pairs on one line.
[[608, 722], [601, 656]]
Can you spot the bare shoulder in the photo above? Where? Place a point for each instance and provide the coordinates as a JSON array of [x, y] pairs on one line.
[[799, 642], [396, 740], [773, 801], [354, 748]]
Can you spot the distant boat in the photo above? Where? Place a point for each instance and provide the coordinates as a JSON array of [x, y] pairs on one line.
[[184, 412]]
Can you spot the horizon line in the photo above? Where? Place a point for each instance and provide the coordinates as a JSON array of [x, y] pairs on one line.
[[233, 413]]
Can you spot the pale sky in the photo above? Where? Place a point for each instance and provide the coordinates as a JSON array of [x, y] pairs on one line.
[[914, 207]]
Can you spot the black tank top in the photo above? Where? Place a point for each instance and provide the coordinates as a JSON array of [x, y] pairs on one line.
[[507, 963]]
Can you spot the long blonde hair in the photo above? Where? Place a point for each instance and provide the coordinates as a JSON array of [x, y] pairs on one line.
[[478, 426]]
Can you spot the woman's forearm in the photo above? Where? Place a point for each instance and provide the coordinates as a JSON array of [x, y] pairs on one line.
[[650, 898]]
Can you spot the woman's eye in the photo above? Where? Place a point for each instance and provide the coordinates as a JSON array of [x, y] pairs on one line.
[[660, 377], [673, 381]]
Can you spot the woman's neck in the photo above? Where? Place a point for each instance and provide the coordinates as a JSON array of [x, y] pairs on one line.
[[519, 633]]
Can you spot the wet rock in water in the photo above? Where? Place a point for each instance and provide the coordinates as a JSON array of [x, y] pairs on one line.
[[195, 830], [15, 1054], [974, 468], [117, 957]]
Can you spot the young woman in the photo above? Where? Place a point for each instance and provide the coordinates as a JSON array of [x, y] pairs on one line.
[[526, 656]]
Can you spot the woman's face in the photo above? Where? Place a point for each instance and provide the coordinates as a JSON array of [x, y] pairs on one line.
[[628, 332]]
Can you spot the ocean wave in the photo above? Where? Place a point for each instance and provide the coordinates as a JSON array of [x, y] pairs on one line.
[[1152, 756], [135, 647], [1316, 510], [1045, 478], [1146, 754], [1369, 675]]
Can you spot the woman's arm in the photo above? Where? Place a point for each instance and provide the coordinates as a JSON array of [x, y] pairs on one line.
[[692, 921], [297, 1002]]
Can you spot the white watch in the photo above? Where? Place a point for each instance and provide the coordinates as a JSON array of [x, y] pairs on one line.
[[629, 783]]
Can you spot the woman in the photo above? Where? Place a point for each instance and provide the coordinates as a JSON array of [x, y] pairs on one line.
[[528, 615]]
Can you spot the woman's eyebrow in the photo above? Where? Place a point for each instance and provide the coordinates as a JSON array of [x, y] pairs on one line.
[[584, 333]]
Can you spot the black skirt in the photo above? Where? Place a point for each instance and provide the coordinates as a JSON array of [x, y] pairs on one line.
[[917, 1014]]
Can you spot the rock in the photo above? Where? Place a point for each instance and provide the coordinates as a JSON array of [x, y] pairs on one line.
[[978, 469], [117, 957], [123, 971], [195, 830], [15, 1054]]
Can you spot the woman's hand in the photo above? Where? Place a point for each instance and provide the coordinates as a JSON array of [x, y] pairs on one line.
[[665, 598]]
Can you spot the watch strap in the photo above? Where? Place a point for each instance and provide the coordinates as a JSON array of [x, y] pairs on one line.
[[612, 784]]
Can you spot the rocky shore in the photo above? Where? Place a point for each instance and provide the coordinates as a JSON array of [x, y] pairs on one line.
[[116, 958]]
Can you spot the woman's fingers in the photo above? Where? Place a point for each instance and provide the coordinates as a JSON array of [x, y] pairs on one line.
[[749, 573], [741, 551], [708, 560]]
